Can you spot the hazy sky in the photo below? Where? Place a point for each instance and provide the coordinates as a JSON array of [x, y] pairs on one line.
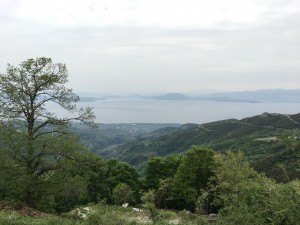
[[112, 46]]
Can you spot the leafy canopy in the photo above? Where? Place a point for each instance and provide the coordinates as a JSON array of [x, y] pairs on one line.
[[33, 138]]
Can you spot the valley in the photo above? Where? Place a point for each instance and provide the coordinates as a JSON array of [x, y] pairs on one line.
[[266, 140]]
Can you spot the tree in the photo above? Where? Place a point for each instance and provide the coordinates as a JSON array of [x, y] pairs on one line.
[[75, 182], [122, 193], [25, 92], [10, 183], [191, 178], [158, 169], [148, 200], [231, 171], [120, 172], [247, 197]]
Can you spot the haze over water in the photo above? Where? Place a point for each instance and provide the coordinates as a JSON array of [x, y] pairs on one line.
[[173, 111]]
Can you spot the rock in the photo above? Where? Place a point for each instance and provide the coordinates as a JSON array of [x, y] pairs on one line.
[[125, 205], [79, 213], [137, 210], [212, 217], [88, 210], [186, 211]]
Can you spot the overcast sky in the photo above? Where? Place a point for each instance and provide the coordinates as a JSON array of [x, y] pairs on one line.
[[141, 46]]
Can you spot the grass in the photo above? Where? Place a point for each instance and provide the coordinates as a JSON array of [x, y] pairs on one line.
[[103, 215], [10, 218]]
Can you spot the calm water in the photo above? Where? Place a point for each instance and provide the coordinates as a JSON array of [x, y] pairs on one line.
[[164, 111]]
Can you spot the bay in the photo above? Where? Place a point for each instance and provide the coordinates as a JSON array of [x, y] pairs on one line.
[[173, 111]]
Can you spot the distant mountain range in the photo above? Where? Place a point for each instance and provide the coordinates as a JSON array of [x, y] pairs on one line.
[[271, 95], [259, 96], [181, 97]]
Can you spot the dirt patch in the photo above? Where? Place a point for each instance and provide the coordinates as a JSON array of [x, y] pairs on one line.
[[4, 206], [27, 211], [23, 210]]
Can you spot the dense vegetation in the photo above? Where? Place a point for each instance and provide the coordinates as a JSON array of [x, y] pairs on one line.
[[200, 180], [266, 140], [45, 167]]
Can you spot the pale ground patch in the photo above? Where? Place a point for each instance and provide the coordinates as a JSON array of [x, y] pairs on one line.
[[266, 139]]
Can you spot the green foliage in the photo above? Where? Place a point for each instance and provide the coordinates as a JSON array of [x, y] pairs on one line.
[[96, 169], [230, 172], [163, 193], [14, 219], [179, 180], [122, 193], [119, 172], [34, 141], [202, 203], [69, 187], [148, 200], [196, 167], [148, 197], [77, 181], [244, 195], [262, 201], [12, 181], [158, 169], [191, 177]]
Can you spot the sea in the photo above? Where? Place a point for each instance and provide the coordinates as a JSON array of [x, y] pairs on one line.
[[125, 110]]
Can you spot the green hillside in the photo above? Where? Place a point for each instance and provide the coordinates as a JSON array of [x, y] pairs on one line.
[[268, 140], [112, 135]]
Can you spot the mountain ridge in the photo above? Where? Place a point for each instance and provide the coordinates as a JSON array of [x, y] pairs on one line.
[[257, 96]]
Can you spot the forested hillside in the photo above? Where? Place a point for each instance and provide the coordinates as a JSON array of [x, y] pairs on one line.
[[107, 136], [266, 140]]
